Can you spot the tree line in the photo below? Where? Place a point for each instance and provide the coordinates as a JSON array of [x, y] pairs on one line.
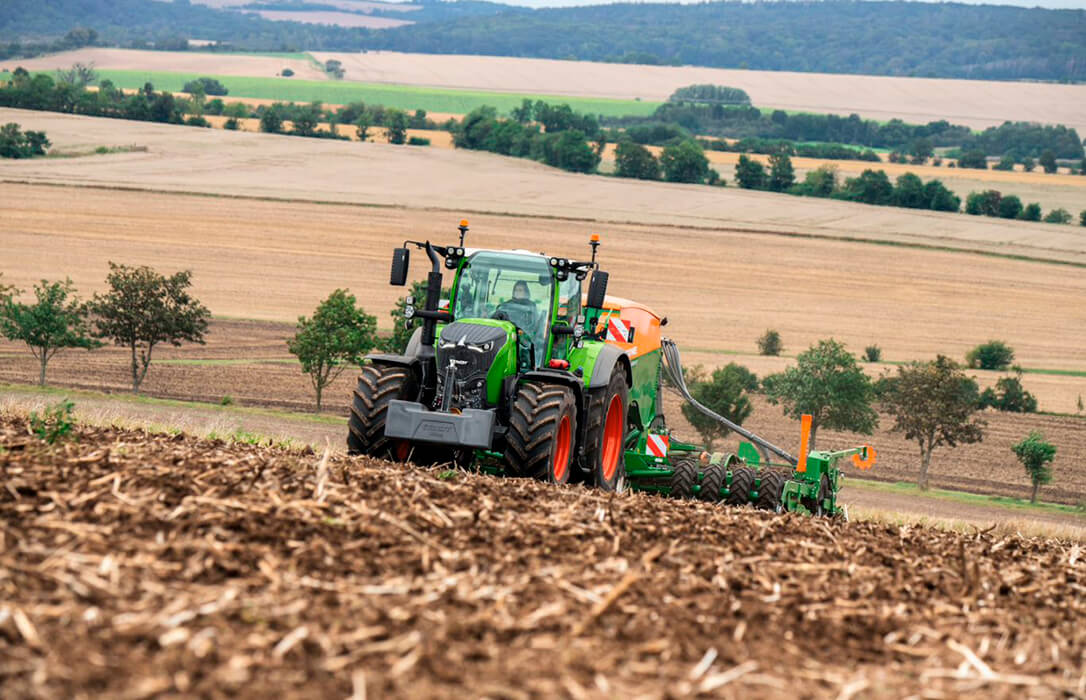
[[1019, 140]]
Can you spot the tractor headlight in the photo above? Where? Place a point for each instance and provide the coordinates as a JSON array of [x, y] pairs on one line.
[[408, 311]]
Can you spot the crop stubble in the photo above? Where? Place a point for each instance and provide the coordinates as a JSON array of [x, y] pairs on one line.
[[148, 565]]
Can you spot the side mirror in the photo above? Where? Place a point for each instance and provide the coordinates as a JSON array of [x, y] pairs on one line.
[[597, 289], [400, 259]]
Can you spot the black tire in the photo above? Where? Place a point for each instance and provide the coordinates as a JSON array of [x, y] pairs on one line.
[[378, 385], [823, 494], [712, 481], [536, 441], [770, 490], [684, 478], [603, 467], [742, 483]]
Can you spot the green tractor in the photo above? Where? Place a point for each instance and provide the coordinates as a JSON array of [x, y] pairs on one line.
[[524, 373]]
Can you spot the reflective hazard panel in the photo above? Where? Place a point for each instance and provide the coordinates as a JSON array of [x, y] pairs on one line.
[[618, 331], [657, 445]]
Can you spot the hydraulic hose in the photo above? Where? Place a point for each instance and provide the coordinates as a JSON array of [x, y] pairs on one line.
[[673, 369]]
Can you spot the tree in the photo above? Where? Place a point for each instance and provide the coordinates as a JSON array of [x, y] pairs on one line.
[[56, 322], [1048, 161], [1058, 216], [1081, 217], [306, 121], [909, 192], [337, 336], [1010, 207], [636, 161], [995, 354], [6, 290], [934, 404], [206, 86], [973, 159], [396, 122], [80, 75], [871, 187], [940, 198], [1032, 212], [921, 149], [828, 384], [684, 162], [984, 203], [143, 309], [271, 121], [820, 182], [770, 343], [749, 174], [18, 144], [725, 393], [1036, 455], [362, 126], [1005, 163], [781, 174], [573, 153], [1028, 164]]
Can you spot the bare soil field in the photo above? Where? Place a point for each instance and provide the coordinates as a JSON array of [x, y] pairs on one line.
[[173, 61], [339, 19], [248, 362], [975, 103], [151, 565], [219, 162]]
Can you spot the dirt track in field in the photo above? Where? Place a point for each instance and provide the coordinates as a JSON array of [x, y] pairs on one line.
[[248, 362], [151, 565]]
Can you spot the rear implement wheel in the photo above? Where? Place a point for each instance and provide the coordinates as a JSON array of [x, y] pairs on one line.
[[741, 486], [712, 482], [684, 478], [770, 490], [542, 433], [605, 442]]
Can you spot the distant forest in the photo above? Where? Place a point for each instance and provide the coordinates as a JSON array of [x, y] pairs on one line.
[[835, 36]]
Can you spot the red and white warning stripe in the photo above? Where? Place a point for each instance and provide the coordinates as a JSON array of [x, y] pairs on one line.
[[657, 445], [618, 331]]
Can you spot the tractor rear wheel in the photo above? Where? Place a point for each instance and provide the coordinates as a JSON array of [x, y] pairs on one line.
[[684, 478], [605, 442], [378, 385], [542, 433], [712, 481], [770, 490], [742, 483]]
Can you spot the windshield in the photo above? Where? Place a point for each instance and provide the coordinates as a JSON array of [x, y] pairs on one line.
[[510, 287]]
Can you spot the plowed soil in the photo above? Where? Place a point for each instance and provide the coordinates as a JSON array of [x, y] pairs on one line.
[[136, 565]]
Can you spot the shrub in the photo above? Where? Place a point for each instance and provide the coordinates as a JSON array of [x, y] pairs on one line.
[[872, 353], [209, 86], [973, 159], [1082, 218], [1005, 163], [55, 424], [1032, 212], [418, 141], [1010, 207], [231, 124], [198, 121], [995, 354], [1028, 164], [984, 203], [1058, 216], [226, 400], [18, 144], [287, 73], [1009, 395], [634, 160], [770, 343]]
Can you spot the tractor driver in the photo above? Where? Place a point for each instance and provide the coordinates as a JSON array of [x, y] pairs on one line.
[[520, 309]]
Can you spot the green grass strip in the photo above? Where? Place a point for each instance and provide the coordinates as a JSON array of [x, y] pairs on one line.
[[407, 97], [1005, 502]]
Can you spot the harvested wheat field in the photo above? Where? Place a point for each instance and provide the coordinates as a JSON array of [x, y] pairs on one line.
[[148, 565], [975, 103], [171, 61], [220, 162]]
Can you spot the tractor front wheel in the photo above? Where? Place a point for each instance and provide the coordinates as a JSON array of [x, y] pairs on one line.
[[605, 443], [377, 387], [542, 433]]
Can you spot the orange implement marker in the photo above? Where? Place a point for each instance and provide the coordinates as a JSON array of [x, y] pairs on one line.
[[865, 464], [804, 442]]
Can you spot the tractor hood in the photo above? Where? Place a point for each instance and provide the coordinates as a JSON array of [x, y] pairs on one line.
[[471, 362]]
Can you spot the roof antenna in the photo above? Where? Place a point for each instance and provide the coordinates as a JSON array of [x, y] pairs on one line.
[[463, 229]]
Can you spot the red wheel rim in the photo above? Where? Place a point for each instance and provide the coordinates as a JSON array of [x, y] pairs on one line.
[[562, 450], [612, 439], [401, 451]]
